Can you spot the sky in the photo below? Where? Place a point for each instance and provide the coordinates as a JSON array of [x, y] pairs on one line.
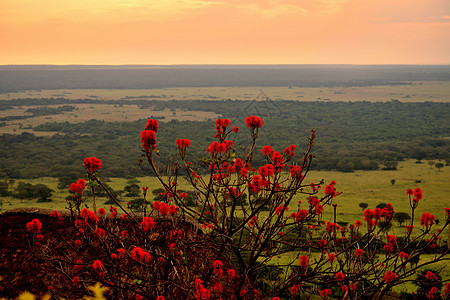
[[168, 32]]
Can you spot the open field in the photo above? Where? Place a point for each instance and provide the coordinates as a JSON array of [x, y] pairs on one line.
[[105, 112], [434, 91], [372, 187]]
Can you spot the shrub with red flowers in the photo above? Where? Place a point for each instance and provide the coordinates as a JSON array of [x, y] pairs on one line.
[[228, 244]]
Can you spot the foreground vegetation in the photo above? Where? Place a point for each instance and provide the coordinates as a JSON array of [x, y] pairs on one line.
[[252, 218]]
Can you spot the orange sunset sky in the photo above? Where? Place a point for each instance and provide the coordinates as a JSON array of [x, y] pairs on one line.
[[224, 32]]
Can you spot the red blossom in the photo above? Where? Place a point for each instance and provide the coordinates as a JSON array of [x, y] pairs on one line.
[[148, 140], [139, 254], [152, 125], [389, 276], [294, 289], [101, 211], [89, 216], [253, 221], [182, 143], [403, 255], [254, 122], [100, 232], [331, 257], [432, 292], [147, 224], [235, 129], [160, 298], [231, 274], [359, 252], [304, 261], [34, 226], [325, 293], [339, 276], [431, 276], [92, 164], [267, 150], [76, 280], [427, 219], [290, 150], [113, 211], [97, 266]]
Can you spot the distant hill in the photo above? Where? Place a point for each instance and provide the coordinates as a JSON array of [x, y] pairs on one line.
[[14, 78]]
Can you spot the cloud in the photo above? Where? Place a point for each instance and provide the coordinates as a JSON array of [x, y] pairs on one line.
[[272, 9]]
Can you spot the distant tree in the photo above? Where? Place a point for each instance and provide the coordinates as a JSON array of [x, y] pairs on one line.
[[439, 166], [381, 205], [401, 217], [133, 190], [11, 182], [431, 163], [3, 189], [390, 164], [392, 181], [24, 190], [363, 205], [43, 192]]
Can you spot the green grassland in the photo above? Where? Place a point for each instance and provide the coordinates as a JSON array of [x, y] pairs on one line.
[[372, 187]]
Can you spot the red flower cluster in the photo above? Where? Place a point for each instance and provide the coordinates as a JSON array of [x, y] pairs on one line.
[[359, 252], [101, 211], [92, 164], [139, 254], [330, 190], [217, 265], [403, 255], [296, 171], [432, 292], [182, 143], [300, 215], [90, 218], [253, 221], [34, 226], [164, 209], [290, 150], [325, 293], [99, 232], [295, 288], [339, 276], [152, 125], [389, 276], [304, 261], [431, 276], [97, 265], [221, 126], [331, 257], [281, 208], [147, 224], [78, 187], [148, 140], [216, 147], [254, 122], [267, 150], [332, 227], [427, 219], [201, 292], [266, 170], [417, 195], [113, 211]]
